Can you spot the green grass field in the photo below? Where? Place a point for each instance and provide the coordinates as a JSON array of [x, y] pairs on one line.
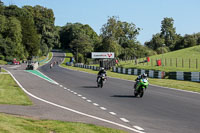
[[17, 124], [11, 93], [187, 60]]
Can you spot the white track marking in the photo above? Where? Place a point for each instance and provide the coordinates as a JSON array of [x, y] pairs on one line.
[[89, 101], [125, 120], [112, 113], [75, 111], [138, 128], [95, 104], [61, 86], [65, 88], [75, 93], [103, 108], [79, 95], [84, 98]]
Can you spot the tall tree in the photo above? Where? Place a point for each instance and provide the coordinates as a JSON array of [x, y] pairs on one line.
[[168, 32], [30, 37], [118, 36]]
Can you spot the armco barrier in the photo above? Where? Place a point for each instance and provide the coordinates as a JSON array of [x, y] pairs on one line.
[[87, 66], [150, 73], [189, 76]]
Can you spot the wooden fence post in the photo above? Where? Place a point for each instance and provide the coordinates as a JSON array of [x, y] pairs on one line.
[[196, 63], [182, 62], [170, 61], [189, 62]]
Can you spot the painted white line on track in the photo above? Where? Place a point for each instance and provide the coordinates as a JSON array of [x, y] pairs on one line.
[[84, 98], [103, 108], [75, 93], [68, 89], [75, 111], [79, 95], [112, 113], [95, 104], [61, 86], [125, 120], [65, 88], [89, 101], [138, 128]]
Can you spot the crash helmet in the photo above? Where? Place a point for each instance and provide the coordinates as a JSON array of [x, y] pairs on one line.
[[144, 75], [102, 68]]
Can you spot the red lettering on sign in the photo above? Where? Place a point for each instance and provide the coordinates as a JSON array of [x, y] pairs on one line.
[[109, 55]]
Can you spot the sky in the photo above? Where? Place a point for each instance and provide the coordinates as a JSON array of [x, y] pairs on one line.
[[145, 14]]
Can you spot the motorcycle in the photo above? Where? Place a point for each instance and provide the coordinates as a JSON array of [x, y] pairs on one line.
[[101, 80], [141, 86]]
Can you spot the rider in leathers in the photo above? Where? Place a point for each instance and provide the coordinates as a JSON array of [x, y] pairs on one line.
[[142, 76], [102, 71]]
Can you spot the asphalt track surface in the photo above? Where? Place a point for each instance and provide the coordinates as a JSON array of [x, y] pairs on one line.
[[161, 110]]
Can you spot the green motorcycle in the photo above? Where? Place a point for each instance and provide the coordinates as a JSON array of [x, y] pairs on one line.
[[141, 86]]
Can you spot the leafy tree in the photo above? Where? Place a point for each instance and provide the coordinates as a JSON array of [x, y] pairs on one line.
[[44, 23], [14, 33], [81, 45], [119, 37], [156, 42], [108, 45], [30, 37], [168, 32], [1, 7]]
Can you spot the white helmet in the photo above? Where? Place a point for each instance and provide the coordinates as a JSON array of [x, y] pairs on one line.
[[102, 68], [144, 75]]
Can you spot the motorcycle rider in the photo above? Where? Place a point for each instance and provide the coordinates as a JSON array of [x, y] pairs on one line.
[[101, 71], [142, 76]]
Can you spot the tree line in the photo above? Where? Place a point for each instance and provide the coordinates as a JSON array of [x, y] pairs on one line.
[[168, 40], [30, 31], [26, 32]]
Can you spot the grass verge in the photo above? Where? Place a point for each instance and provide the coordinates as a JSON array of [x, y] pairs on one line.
[[49, 57], [16, 124], [2, 62], [2, 70], [184, 85], [11, 93]]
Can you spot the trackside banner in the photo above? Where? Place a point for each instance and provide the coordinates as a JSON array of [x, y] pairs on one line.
[[103, 55]]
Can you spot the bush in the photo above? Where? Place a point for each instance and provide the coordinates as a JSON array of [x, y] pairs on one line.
[[2, 57]]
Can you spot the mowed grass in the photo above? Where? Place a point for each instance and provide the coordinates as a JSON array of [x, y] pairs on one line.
[[187, 60], [11, 93], [2, 62], [2, 70], [16, 124]]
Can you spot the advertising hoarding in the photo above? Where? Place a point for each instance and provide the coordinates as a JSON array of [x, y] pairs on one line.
[[103, 55]]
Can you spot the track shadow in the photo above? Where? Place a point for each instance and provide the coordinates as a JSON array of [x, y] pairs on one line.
[[89, 86], [124, 96]]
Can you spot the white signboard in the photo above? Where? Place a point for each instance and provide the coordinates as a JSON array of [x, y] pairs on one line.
[[103, 55]]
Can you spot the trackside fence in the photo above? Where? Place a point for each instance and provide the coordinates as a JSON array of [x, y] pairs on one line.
[[188, 76]]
